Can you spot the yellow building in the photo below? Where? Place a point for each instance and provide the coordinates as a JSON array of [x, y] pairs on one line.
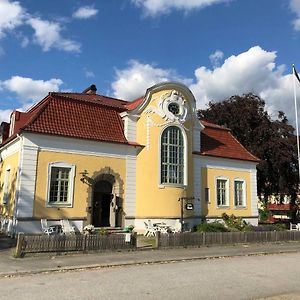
[[112, 163]]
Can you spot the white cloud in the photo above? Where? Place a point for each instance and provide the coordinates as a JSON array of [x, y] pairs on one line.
[[11, 16], [89, 74], [85, 12], [295, 7], [134, 80], [216, 57], [29, 89], [4, 115], [250, 71], [47, 35], [24, 42], [254, 71], [157, 7]]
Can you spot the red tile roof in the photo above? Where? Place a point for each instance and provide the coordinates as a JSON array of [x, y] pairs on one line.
[[94, 98], [218, 141], [135, 103], [79, 118], [96, 117]]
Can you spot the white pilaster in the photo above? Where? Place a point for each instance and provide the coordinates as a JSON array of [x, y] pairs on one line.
[[27, 180], [130, 190]]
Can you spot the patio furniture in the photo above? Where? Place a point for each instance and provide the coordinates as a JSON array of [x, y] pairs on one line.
[[150, 230], [177, 227], [162, 227], [66, 227], [45, 228], [293, 226]]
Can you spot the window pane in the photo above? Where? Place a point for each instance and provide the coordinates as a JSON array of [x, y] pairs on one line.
[[172, 156]]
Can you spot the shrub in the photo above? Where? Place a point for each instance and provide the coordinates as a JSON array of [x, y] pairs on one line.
[[234, 223], [211, 227], [129, 228]]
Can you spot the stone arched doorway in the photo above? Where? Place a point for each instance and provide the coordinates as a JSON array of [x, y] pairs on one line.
[[102, 213], [105, 185]]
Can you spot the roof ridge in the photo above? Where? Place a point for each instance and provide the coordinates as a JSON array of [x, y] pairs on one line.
[[36, 114], [82, 94], [94, 102], [214, 126]]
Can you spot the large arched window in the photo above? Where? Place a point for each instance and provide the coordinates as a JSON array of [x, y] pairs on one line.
[[172, 156]]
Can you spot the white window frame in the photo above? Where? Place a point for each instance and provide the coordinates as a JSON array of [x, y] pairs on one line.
[[6, 185], [227, 194], [69, 203], [185, 158], [243, 205]]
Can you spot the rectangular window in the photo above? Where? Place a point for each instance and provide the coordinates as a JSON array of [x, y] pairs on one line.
[[59, 185], [6, 187], [239, 193], [222, 192]]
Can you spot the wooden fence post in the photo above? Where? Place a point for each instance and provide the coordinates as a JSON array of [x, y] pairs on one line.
[[84, 237], [157, 239], [134, 239], [20, 241]]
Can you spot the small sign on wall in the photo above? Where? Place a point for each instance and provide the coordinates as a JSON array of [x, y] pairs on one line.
[[189, 206]]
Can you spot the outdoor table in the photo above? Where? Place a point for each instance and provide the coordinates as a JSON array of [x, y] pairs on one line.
[[56, 228], [162, 227]]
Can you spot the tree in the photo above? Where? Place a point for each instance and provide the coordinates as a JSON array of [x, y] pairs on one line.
[[271, 140]]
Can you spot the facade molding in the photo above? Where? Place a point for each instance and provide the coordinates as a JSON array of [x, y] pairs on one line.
[[11, 148], [77, 146]]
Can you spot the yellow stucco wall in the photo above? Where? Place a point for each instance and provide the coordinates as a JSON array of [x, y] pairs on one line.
[[92, 164], [211, 209], [11, 162], [153, 199]]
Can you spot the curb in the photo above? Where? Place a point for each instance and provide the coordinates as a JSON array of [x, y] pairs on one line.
[[137, 263]]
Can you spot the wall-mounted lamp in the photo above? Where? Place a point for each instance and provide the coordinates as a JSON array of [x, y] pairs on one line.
[[84, 178]]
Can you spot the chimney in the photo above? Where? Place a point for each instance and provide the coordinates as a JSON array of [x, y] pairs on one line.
[[90, 90]]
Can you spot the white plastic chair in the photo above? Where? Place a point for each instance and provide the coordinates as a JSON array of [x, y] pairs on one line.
[[177, 227], [45, 228], [293, 226], [150, 230], [66, 227]]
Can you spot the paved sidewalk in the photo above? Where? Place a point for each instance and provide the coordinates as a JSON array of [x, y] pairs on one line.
[[10, 266]]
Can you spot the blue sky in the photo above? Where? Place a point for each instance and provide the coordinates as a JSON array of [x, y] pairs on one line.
[[218, 48]]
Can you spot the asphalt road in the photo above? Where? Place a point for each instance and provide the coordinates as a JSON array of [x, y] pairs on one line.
[[245, 277]]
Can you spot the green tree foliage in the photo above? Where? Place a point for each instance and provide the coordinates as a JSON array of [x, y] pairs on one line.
[[271, 140]]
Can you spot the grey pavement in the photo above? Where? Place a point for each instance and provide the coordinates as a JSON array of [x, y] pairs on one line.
[[39, 263]]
